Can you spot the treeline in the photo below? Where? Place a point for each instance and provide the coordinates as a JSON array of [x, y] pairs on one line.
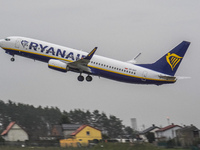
[[38, 121]]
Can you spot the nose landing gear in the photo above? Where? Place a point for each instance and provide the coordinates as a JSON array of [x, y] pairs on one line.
[[12, 59]]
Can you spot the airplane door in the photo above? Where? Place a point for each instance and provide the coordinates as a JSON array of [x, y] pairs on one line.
[[144, 76], [17, 43]]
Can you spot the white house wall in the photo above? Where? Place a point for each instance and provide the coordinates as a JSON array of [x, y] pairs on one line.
[[169, 134], [16, 134]]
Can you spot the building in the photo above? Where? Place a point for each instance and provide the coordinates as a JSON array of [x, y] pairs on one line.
[[14, 133], [82, 136], [134, 124], [68, 129], [187, 135], [168, 132], [151, 129], [64, 130], [57, 131]]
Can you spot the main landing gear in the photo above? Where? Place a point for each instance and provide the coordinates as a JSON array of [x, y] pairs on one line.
[[81, 78]]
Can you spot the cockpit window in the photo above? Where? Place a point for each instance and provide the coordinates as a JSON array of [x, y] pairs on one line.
[[7, 39]]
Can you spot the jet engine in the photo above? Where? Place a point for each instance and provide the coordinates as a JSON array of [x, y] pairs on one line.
[[58, 65]]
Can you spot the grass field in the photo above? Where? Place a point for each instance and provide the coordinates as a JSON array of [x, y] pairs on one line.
[[104, 146]]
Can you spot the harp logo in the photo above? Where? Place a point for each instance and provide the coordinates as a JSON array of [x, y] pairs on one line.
[[173, 60], [24, 43]]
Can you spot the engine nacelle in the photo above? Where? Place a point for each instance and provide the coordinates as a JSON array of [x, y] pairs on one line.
[[57, 65]]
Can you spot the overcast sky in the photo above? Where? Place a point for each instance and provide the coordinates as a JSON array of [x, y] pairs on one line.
[[121, 29]]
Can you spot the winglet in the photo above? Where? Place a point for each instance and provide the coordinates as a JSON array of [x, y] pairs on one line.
[[90, 55]]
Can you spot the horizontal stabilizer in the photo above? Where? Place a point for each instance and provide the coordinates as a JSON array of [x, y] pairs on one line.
[[133, 61], [167, 77]]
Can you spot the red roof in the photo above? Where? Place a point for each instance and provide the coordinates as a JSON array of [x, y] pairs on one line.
[[8, 128], [81, 128], [167, 128]]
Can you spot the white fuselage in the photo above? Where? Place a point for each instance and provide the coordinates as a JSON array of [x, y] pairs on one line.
[[98, 65]]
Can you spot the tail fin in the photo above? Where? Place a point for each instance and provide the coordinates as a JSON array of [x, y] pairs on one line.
[[170, 62]]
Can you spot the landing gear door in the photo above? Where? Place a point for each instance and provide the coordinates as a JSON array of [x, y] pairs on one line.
[[17, 43], [144, 76]]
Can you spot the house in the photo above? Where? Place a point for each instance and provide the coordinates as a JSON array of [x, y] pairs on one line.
[[57, 131], [14, 133], [64, 130], [168, 132], [152, 129], [82, 136], [68, 129], [187, 135]]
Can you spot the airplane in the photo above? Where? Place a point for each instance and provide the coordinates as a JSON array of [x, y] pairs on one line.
[[66, 59]]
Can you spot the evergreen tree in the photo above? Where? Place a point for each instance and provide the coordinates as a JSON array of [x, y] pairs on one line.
[[38, 121], [64, 119], [151, 137]]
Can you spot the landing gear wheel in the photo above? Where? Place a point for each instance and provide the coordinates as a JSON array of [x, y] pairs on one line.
[[89, 78], [80, 78], [12, 59]]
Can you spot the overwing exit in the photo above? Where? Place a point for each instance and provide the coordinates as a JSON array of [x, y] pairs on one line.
[[65, 59]]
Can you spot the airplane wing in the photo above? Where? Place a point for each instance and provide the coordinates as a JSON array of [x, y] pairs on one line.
[[82, 64]]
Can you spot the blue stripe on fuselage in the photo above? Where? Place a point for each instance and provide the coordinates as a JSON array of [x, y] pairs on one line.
[[126, 78]]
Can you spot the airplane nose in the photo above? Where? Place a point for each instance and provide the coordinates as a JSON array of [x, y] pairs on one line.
[[1, 43]]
